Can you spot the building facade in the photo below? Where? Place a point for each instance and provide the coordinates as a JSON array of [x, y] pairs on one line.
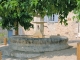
[[72, 30]]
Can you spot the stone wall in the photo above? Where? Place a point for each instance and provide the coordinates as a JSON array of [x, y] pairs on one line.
[[71, 31]]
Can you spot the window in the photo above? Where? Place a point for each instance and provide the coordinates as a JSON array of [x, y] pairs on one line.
[[53, 18]]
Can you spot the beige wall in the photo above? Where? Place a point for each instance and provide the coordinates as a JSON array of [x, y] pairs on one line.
[[71, 31]]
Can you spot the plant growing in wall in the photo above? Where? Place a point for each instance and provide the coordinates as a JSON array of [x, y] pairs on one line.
[[13, 13]]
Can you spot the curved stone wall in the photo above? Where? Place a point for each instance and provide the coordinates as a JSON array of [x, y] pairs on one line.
[[22, 43], [22, 47]]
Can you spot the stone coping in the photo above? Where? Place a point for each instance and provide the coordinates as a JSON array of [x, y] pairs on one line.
[[25, 40]]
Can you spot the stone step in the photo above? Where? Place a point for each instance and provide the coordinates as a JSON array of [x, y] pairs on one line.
[[39, 48], [22, 54], [12, 58]]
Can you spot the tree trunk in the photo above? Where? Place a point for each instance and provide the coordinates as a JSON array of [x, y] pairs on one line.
[[16, 28], [16, 32]]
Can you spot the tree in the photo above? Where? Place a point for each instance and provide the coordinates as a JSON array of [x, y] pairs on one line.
[[49, 7], [13, 13], [77, 11]]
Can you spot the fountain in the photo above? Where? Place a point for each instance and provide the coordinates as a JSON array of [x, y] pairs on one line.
[[24, 47]]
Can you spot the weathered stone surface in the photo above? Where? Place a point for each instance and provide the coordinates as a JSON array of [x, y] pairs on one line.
[[23, 54], [52, 40], [23, 47], [21, 43], [12, 58]]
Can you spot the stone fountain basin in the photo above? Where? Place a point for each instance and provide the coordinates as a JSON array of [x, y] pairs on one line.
[[22, 43], [24, 47]]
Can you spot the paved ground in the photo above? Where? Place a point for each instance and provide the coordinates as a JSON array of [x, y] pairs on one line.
[[67, 54]]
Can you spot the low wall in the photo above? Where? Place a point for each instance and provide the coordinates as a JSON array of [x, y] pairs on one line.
[[22, 47]]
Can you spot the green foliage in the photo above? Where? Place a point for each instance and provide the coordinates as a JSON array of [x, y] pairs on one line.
[[48, 7], [22, 11], [13, 11], [1, 34], [0, 24], [77, 11]]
